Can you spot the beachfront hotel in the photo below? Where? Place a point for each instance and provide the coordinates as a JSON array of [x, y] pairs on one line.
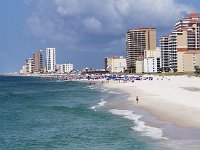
[[152, 61], [138, 40], [29, 65], [115, 64], [51, 60], [187, 61], [181, 47], [64, 68], [33, 64], [37, 62], [164, 46]]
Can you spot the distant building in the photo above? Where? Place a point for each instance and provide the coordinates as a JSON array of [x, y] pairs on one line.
[[115, 64], [152, 61], [165, 53], [51, 60], [139, 66], [138, 40], [188, 60], [29, 65], [64, 68], [184, 37], [37, 62], [23, 71], [152, 64], [152, 53]]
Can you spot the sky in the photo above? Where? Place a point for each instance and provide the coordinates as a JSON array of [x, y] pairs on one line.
[[82, 31]]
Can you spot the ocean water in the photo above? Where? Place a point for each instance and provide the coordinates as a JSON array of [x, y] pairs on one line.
[[47, 114]]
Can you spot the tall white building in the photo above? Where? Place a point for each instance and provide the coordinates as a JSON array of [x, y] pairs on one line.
[[51, 59]]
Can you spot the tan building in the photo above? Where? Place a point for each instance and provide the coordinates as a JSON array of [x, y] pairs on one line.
[[187, 60], [115, 64], [152, 53], [37, 62], [139, 66], [138, 40]]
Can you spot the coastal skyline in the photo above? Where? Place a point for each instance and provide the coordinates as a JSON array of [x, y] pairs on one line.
[[79, 29]]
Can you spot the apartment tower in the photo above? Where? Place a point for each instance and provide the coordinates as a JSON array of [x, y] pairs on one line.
[[29, 65], [51, 60], [184, 37], [138, 40], [37, 62]]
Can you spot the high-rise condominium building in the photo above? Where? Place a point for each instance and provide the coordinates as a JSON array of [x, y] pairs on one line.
[[29, 65], [37, 62], [184, 37], [164, 46], [51, 60], [138, 40], [191, 25]]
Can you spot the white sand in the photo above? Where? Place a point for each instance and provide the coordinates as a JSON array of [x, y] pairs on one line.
[[166, 98]]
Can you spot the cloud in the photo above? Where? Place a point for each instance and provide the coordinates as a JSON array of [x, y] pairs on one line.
[[69, 7], [93, 25], [108, 16]]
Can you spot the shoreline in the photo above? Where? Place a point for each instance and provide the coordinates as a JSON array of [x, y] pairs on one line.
[[168, 99]]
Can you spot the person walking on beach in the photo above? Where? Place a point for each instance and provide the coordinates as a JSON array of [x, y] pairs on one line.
[[137, 99]]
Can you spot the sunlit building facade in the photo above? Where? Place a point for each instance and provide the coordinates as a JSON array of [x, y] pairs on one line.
[[64, 68], [115, 63], [51, 60], [185, 37], [138, 40], [37, 62]]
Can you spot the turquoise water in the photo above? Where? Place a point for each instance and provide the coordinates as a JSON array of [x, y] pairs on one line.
[[46, 114]]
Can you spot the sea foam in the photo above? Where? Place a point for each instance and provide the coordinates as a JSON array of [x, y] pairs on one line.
[[112, 92], [100, 104], [104, 90], [92, 87], [140, 126]]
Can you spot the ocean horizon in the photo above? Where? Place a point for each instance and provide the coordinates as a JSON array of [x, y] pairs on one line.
[[48, 114]]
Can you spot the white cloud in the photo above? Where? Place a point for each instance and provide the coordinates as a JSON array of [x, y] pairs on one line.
[[92, 24], [68, 7], [159, 12], [75, 21]]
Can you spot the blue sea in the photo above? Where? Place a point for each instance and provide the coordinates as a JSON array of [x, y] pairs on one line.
[[36, 113]]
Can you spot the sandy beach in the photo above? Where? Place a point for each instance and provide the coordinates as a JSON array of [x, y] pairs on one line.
[[171, 98]]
